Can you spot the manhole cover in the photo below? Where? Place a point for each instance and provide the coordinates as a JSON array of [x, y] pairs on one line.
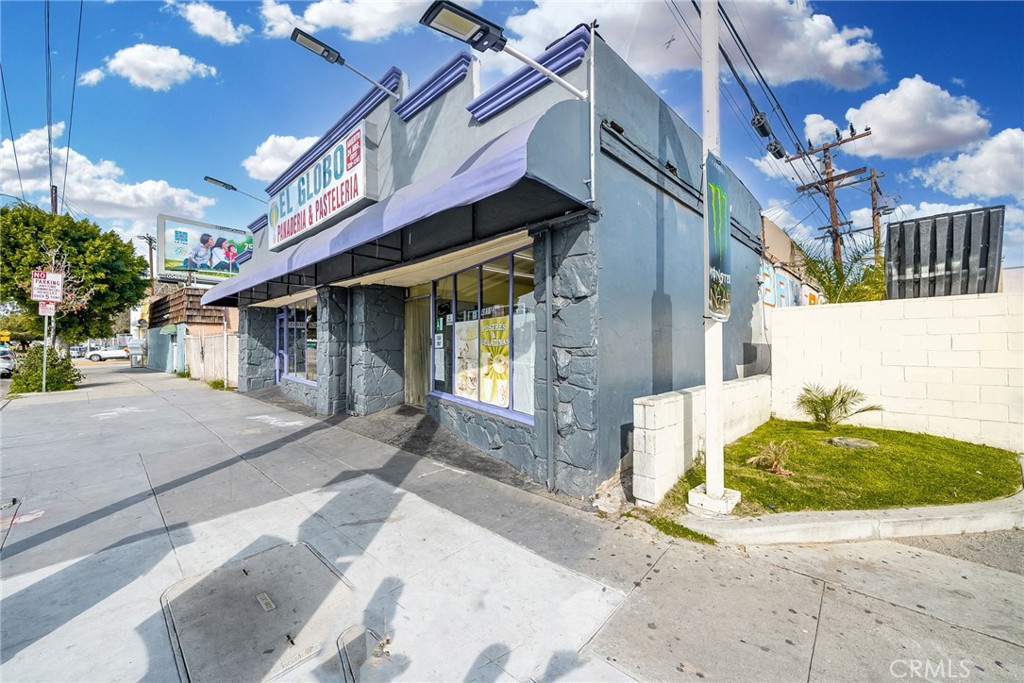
[[256, 619]]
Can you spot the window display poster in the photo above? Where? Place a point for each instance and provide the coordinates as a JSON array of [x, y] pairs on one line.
[[467, 355], [494, 361]]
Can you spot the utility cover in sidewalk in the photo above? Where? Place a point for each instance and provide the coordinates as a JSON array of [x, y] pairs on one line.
[[256, 619]]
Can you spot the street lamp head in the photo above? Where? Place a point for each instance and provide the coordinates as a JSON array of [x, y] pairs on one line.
[[317, 47], [220, 183], [460, 23]]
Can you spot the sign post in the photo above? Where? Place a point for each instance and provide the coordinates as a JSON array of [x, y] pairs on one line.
[[713, 496], [47, 289]]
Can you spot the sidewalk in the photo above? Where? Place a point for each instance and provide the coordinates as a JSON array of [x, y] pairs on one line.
[[143, 480]]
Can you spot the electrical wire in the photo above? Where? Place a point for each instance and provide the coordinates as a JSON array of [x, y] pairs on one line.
[[680, 19], [10, 124], [71, 118]]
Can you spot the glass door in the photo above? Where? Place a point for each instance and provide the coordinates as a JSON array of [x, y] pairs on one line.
[[281, 345]]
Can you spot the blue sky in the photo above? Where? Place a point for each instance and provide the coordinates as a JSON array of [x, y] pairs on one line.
[[171, 91]]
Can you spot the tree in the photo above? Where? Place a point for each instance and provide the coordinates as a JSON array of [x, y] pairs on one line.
[[857, 278], [23, 325], [103, 276]]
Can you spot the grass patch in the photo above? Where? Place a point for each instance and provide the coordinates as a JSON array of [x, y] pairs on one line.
[[905, 470], [667, 526], [218, 385], [184, 374]]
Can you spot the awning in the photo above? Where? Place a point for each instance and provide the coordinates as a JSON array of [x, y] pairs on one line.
[[551, 149]]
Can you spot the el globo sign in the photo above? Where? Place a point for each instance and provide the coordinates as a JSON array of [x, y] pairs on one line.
[[336, 185]]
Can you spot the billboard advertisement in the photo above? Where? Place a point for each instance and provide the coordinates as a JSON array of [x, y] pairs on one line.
[[200, 252], [336, 185]]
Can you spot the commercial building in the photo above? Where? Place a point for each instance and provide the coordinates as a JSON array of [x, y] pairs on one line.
[[447, 252]]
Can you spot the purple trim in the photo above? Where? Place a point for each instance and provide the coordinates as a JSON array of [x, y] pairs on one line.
[[506, 413], [299, 380], [258, 224], [436, 85], [563, 55], [359, 111]]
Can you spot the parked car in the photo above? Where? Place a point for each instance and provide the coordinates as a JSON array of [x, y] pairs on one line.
[[7, 363], [108, 353]]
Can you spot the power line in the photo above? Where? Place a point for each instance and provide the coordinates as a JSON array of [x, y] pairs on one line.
[[71, 118], [10, 124], [49, 95]]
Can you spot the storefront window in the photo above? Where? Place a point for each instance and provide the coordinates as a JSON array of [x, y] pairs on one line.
[[300, 340], [443, 320], [524, 331], [467, 334], [483, 333]]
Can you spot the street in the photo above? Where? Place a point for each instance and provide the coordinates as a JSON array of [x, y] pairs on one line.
[[139, 491]]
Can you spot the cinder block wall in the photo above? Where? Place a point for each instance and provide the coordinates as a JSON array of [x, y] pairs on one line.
[[949, 366], [668, 430]]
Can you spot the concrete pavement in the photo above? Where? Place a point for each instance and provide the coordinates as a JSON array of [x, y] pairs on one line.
[[143, 480]]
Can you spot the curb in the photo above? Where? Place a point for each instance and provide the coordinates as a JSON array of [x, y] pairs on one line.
[[861, 525]]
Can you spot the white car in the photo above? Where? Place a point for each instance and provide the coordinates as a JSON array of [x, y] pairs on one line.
[[108, 353], [7, 363]]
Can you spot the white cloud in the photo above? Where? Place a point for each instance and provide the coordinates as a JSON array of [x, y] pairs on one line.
[[274, 155], [91, 77], [279, 20], [914, 119], [788, 41], [778, 211], [360, 20], [774, 168], [156, 67], [817, 128], [990, 169], [958, 81], [211, 22], [94, 187]]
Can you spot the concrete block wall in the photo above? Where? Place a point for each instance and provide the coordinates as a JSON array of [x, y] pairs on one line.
[[668, 430], [949, 366]]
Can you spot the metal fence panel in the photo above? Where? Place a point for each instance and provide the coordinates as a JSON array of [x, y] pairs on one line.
[[949, 254]]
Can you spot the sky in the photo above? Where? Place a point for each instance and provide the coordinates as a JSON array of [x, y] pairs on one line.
[[165, 93]]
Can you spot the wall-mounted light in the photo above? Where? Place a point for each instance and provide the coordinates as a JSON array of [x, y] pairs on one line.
[[483, 35], [332, 56], [761, 124]]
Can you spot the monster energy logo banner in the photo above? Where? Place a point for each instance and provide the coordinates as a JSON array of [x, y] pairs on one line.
[[718, 266]]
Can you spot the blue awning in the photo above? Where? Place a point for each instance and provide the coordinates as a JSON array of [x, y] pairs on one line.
[[550, 149]]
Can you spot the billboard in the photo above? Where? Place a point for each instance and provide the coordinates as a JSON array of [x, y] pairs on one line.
[[205, 253], [336, 185]]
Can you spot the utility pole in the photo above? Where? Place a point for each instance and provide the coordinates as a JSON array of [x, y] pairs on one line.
[[827, 185], [876, 215], [53, 199], [151, 241]]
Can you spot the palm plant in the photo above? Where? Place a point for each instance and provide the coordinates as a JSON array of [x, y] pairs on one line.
[[828, 408], [856, 278]]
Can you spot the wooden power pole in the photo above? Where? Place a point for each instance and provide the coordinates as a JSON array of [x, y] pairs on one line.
[[828, 185]]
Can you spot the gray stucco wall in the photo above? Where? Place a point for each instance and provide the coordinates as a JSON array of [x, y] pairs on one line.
[[255, 348], [378, 348], [650, 257]]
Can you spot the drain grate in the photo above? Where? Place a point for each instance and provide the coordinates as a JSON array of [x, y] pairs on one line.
[[257, 619]]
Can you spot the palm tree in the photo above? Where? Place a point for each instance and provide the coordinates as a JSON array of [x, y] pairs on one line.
[[857, 278]]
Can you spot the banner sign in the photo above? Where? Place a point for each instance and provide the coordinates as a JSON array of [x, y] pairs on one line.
[[467, 358], [494, 360], [209, 253], [338, 184], [717, 228], [47, 308], [47, 286]]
